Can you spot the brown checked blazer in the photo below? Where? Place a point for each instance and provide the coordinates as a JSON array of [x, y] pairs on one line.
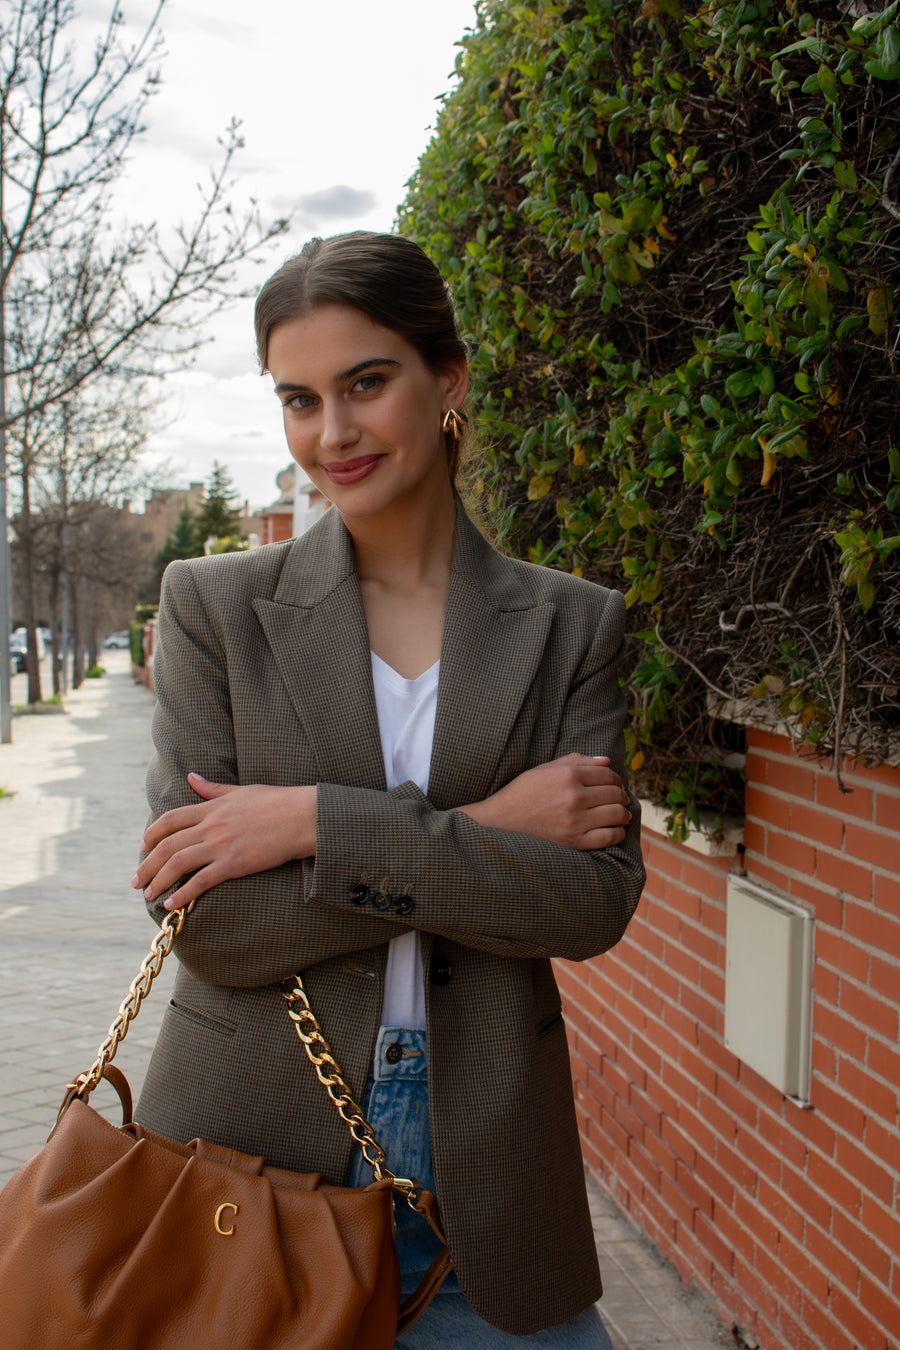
[[263, 675]]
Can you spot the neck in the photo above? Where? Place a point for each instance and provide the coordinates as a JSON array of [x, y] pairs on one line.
[[408, 548]]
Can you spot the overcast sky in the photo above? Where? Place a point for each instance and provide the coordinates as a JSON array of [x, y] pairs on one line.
[[336, 101]]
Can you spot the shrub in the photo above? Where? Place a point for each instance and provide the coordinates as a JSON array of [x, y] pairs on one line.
[[672, 233]]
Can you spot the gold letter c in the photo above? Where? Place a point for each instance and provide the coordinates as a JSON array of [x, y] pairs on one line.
[[225, 1232]]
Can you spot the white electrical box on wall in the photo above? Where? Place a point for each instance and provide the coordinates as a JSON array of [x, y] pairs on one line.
[[768, 985]]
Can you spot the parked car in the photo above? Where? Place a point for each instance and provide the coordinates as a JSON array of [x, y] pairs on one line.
[[120, 641], [17, 654]]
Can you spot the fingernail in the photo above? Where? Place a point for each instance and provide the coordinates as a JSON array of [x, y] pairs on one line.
[[199, 776], [148, 892], [135, 881], [170, 903]]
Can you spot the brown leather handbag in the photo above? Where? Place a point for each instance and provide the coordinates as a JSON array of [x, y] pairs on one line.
[[114, 1238]]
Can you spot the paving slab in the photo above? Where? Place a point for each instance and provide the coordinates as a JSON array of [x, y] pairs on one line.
[[73, 933]]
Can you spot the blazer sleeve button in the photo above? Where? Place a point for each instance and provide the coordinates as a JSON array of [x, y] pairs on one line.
[[382, 900], [404, 904], [359, 894]]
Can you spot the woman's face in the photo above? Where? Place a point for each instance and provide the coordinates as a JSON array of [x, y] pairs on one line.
[[362, 410]]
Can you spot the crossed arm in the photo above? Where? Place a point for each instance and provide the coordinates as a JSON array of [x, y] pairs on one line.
[[234, 831]]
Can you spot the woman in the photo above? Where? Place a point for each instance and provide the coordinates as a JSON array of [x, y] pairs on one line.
[[412, 745]]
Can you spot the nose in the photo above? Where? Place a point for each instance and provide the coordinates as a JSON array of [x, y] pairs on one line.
[[339, 429]]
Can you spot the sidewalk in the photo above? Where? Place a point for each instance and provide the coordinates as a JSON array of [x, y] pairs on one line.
[[72, 935]]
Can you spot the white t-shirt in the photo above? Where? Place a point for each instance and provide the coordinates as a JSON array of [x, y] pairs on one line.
[[406, 710]]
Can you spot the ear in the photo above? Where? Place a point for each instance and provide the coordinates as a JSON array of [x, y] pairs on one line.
[[456, 382]]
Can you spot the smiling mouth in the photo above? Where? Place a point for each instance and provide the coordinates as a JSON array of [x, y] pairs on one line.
[[352, 470]]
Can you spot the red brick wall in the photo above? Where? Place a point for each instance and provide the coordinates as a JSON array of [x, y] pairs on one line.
[[789, 1218]]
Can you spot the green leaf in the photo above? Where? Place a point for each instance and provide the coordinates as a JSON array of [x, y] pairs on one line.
[[866, 592], [827, 84], [845, 173]]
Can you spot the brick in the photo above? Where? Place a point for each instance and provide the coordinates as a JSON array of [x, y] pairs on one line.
[[887, 812], [682, 964], [826, 1332], [879, 1099], [763, 1160], [717, 1182], [815, 1128], [757, 870], [840, 1189], [880, 1305], [884, 977], [883, 1225], [757, 1289], [713, 1048], [793, 779], [695, 1254], [738, 1102], [712, 982], [882, 1144], [740, 1171], [645, 1052], [862, 1167], [826, 986], [702, 1009], [884, 1060], [794, 854], [835, 950], [760, 804], [831, 1256], [882, 775], [810, 822], [805, 1272], [843, 875], [843, 1111], [794, 1334], [699, 1069], [704, 945], [713, 917], [832, 1027], [865, 1332], [877, 848], [824, 1059], [682, 1026], [696, 1128], [875, 1013], [786, 1217], [858, 803], [857, 1242], [828, 906], [874, 929], [886, 894], [720, 1120], [682, 900], [786, 1141]]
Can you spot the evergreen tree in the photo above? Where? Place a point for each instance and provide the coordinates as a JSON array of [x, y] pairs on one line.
[[219, 516], [185, 542]]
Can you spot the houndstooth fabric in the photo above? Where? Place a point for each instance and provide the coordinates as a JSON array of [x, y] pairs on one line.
[[263, 675]]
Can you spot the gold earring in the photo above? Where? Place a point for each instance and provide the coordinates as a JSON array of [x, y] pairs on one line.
[[454, 423]]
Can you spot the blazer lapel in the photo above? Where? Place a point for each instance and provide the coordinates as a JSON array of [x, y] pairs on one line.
[[491, 614], [316, 629]]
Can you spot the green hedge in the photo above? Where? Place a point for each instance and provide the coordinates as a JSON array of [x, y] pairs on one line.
[[672, 233]]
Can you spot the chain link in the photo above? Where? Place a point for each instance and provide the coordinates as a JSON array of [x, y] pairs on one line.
[[130, 1007], [329, 1075], [305, 1024]]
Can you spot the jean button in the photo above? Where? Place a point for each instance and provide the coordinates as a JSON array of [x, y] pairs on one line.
[[394, 1053]]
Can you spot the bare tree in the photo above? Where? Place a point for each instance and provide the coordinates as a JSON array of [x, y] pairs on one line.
[[80, 296]]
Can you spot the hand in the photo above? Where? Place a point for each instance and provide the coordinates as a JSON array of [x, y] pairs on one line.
[[233, 832], [577, 800]]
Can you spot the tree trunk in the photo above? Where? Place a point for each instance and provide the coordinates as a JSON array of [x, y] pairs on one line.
[[25, 529], [77, 638]]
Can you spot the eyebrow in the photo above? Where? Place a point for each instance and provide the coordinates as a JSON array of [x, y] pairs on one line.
[[287, 388]]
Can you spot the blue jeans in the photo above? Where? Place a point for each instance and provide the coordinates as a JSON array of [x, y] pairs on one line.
[[397, 1108]]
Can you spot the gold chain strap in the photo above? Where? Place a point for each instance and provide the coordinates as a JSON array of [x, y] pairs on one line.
[[130, 1007], [305, 1024], [329, 1075]]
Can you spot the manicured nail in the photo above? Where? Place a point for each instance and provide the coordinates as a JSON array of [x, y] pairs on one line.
[[135, 881]]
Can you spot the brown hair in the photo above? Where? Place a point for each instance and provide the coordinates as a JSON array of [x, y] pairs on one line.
[[387, 278]]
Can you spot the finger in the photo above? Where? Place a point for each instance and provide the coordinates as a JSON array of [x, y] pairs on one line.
[[181, 864], [192, 889], [208, 790], [602, 838], [181, 818]]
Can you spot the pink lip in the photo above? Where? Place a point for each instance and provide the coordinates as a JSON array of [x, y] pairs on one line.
[[352, 470]]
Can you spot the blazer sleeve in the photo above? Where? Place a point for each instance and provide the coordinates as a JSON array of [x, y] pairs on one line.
[[501, 891], [253, 930]]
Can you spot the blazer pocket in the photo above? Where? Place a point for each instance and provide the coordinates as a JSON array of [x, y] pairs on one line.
[[548, 1025], [202, 1018]]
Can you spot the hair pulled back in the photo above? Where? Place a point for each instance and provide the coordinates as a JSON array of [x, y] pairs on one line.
[[386, 277]]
